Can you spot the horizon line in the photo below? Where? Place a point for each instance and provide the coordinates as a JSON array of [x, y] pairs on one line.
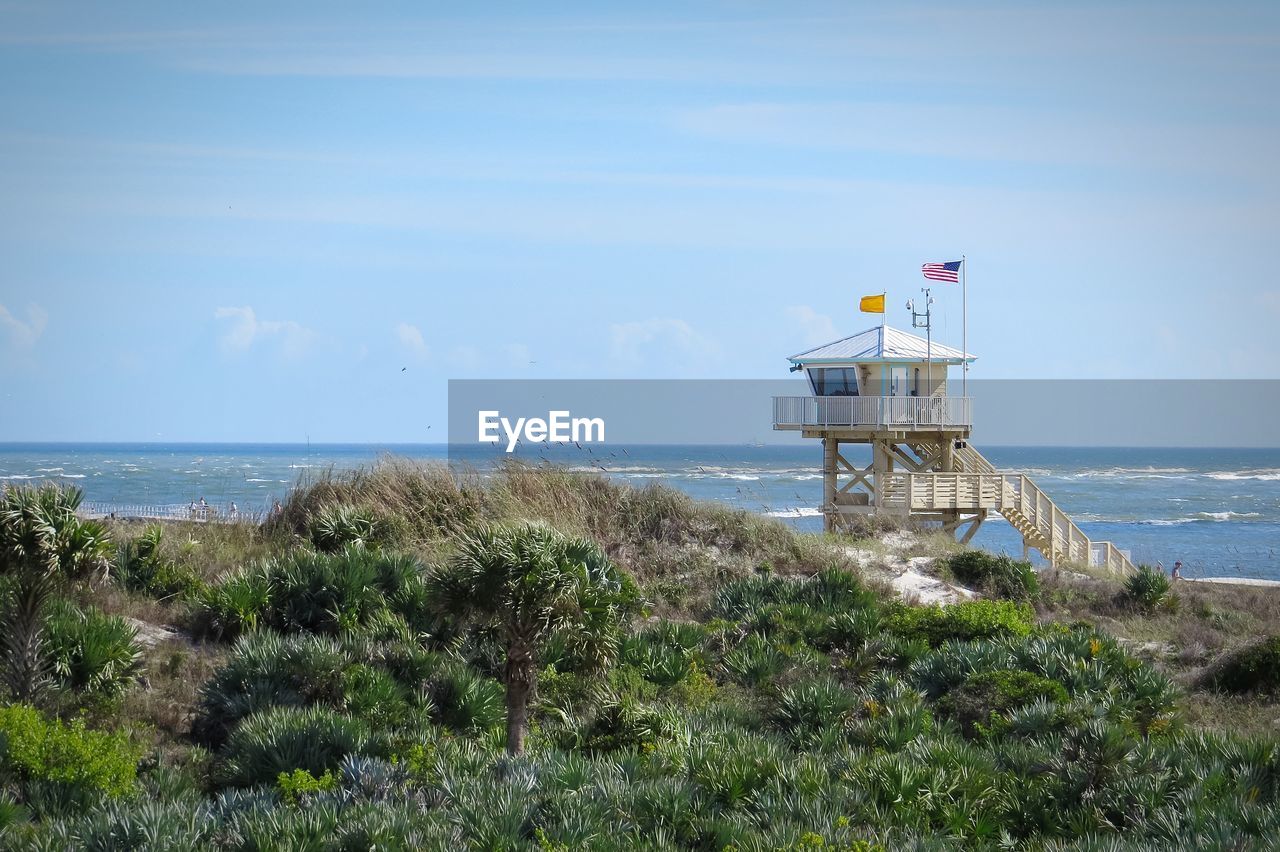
[[6, 444]]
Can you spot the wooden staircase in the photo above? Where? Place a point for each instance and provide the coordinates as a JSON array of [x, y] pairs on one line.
[[979, 486]]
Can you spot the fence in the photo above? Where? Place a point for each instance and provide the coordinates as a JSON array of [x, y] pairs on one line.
[[161, 512]]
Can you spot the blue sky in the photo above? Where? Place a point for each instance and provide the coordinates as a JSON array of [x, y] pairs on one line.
[[229, 222]]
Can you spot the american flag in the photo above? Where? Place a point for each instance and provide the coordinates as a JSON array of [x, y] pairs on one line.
[[949, 271]]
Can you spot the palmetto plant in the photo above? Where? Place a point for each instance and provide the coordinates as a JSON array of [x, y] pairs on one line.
[[234, 605], [755, 661], [1147, 588], [92, 652], [334, 528], [526, 582], [282, 739], [43, 543], [266, 670]]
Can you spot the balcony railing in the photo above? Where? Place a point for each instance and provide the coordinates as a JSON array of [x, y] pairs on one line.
[[901, 412]]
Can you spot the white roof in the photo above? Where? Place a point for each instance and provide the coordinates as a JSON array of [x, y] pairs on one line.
[[881, 343]]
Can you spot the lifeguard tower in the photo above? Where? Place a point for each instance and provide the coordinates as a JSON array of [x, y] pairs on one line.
[[888, 388]]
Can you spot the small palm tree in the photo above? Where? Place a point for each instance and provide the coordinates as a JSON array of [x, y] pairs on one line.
[[43, 543], [527, 582]]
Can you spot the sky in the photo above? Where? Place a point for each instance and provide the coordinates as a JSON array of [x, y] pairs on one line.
[[289, 222]]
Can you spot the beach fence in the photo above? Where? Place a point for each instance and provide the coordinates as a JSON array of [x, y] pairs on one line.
[[169, 512]]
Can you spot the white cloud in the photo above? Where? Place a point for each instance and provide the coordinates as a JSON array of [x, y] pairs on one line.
[[246, 330], [20, 333], [518, 356], [818, 328], [669, 336], [464, 357], [410, 337]]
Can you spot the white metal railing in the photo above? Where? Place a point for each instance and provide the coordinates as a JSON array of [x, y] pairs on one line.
[[796, 412], [170, 512]]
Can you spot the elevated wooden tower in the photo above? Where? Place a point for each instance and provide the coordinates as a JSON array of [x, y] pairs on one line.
[[888, 389]]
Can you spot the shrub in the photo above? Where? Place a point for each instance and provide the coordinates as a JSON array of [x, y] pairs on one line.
[[696, 690], [11, 814], [465, 700], [141, 566], [623, 724], [92, 652], [989, 694], [836, 590], [962, 621], [808, 707], [736, 766], [315, 592], [755, 661], [829, 591], [373, 694], [657, 661], [324, 593], [1254, 668], [997, 576], [336, 527], [83, 763], [265, 670], [849, 630], [294, 786], [282, 739], [234, 605], [1147, 589]]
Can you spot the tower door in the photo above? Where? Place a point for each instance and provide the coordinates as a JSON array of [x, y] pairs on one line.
[[898, 385]]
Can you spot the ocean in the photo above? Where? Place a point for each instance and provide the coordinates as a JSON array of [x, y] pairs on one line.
[[1218, 510]]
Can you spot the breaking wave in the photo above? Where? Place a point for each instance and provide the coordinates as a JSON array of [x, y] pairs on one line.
[[802, 512], [1266, 474]]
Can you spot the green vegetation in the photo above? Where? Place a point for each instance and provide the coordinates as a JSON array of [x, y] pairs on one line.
[[996, 576], [310, 591], [64, 762], [986, 698], [404, 659], [91, 653], [1254, 668], [1147, 589], [335, 528], [296, 786], [141, 565], [43, 546], [527, 584], [964, 621]]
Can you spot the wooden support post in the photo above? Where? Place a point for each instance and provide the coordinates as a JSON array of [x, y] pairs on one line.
[[881, 463], [946, 463], [1053, 536], [830, 454]]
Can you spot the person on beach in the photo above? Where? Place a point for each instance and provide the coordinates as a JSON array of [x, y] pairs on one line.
[[1176, 574], [232, 510]]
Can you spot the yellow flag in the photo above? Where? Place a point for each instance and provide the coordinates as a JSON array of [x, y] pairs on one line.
[[872, 304]]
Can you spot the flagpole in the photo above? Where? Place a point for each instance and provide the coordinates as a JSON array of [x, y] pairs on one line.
[[964, 323]]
